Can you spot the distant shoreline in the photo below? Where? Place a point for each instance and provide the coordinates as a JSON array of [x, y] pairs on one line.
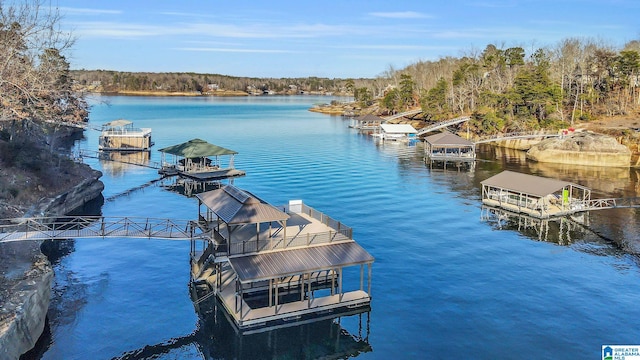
[[172, 93], [219, 93]]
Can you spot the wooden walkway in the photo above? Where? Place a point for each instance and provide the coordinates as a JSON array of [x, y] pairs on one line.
[[442, 124], [516, 135], [46, 228], [84, 153], [402, 114]]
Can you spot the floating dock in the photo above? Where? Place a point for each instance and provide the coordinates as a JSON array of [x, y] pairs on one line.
[[192, 159], [534, 195], [120, 135], [272, 266]]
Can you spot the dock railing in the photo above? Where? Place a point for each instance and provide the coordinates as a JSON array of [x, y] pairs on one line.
[[338, 232], [68, 227]]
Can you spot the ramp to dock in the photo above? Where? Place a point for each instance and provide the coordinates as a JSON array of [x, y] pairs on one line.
[[70, 227]]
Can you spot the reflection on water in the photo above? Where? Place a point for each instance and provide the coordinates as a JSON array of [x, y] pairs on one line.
[[562, 231], [609, 181], [613, 226], [216, 338], [117, 163], [189, 187]]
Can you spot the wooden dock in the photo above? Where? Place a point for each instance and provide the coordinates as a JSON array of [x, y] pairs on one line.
[[268, 266], [543, 197], [213, 174], [247, 318], [272, 266]]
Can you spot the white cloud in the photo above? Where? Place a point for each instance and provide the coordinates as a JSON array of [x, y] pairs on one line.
[[230, 50], [215, 30], [401, 15], [86, 11]]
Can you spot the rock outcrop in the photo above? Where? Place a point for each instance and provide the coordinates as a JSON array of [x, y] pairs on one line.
[[26, 310], [582, 148], [26, 275]]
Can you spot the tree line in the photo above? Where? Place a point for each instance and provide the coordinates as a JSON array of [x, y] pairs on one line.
[[117, 81], [506, 89]]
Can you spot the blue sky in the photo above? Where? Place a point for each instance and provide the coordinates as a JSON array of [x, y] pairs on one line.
[[335, 39]]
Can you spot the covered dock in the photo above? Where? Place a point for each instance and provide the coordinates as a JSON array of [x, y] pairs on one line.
[[272, 265], [192, 159], [534, 195], [397, 132], [120, 135], [366, 122], [447, 147]]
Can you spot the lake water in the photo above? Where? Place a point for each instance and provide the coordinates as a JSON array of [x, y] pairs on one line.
[[447, 283]]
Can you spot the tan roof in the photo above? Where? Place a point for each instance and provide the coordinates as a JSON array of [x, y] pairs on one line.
[[264, 266], [526, 184], [235, 206], [447, 138]]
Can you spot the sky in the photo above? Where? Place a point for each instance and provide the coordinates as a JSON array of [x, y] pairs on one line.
[[327, 38]]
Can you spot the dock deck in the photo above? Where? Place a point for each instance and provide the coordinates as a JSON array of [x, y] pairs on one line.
[[246, 317], [213, 174], [271, 266]]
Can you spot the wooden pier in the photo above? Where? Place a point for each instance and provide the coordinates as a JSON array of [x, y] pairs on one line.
[[271, 266], [268, 266], [543, 197]]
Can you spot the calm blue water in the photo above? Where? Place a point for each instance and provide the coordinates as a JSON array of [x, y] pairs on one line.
[[446, 283]]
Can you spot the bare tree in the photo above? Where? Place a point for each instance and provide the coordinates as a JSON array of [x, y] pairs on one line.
[[34, 74]]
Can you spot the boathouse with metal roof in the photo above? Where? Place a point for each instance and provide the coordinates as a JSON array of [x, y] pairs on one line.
[[366, 122], [534, 195], [396, 132], [273, 265], [192, 159], [446, 147], [120, 135]]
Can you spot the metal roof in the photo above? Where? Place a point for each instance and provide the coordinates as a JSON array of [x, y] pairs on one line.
[[398, 128], [235, 206], [117, 123], [447, 138], [264, 266], [525, 183], [196, 148]]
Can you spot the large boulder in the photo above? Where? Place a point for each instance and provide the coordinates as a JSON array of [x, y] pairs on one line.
[[582, 148]]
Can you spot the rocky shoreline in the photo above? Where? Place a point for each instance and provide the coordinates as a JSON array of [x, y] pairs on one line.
[[26, 274], [609, 143]]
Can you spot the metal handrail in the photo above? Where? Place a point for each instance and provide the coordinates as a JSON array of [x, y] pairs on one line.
[[516, 135], [43, 228], [442, 124]]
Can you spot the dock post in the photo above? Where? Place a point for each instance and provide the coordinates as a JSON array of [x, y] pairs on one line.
[[340, 284], [369, 281], [276, 285], [310, 292]]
